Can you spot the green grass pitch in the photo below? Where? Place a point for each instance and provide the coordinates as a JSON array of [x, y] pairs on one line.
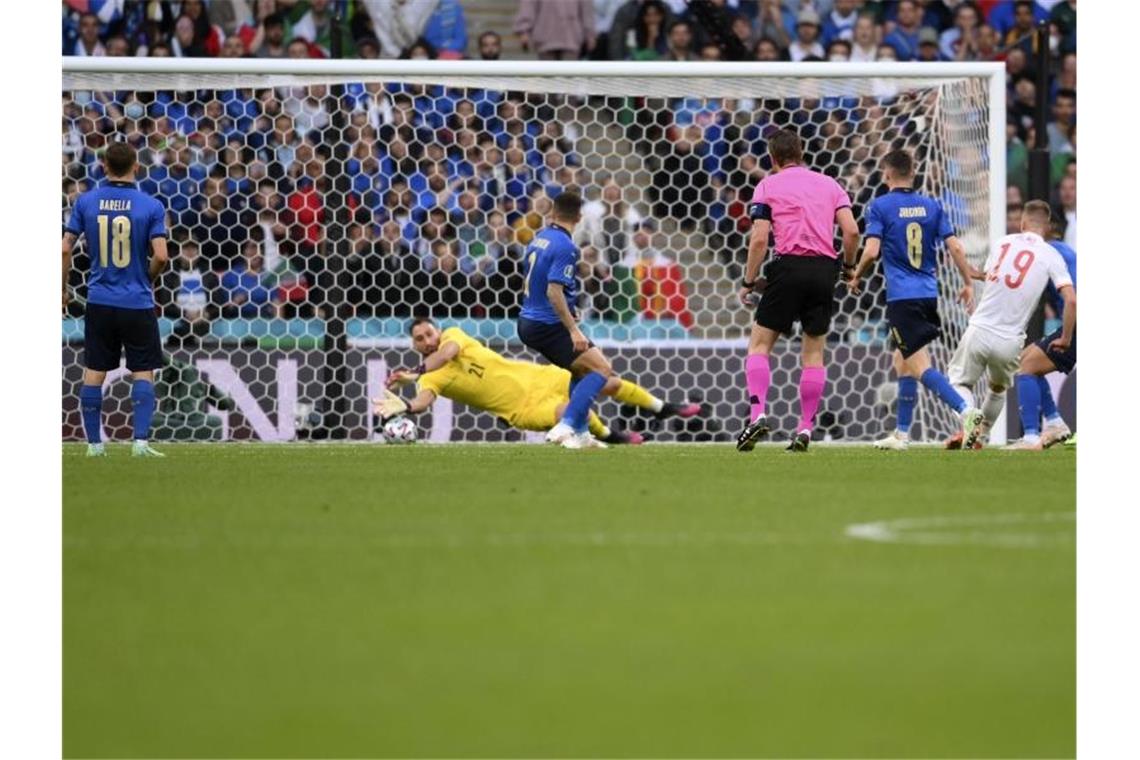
[[509, 601]]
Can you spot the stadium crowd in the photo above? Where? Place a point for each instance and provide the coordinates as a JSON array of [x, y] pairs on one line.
[[283, 201]]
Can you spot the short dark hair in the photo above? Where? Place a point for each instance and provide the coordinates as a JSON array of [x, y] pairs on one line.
[[1067, 92], [901, 162], [273, 19], [489, 33], [120, 158], [1038, 211], [568, 204], [420, 320], [785, 147], [679, 22]]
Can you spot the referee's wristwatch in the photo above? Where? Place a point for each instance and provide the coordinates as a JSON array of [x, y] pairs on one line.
[[746, 284]]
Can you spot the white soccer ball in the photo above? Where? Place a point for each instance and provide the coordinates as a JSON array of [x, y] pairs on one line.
[[400, 430]]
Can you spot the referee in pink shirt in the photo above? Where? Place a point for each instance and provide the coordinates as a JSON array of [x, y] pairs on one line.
[[801, 208]]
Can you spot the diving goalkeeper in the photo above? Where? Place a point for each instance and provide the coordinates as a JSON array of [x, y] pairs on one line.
[[525, 395]]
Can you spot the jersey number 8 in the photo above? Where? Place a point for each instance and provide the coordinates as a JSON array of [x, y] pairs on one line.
[[120, 242], [914, 244]]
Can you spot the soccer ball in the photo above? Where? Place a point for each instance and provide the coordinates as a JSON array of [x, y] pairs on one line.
[[400, 430]]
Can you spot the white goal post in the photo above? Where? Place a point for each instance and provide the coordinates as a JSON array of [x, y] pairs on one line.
[[359, 185]]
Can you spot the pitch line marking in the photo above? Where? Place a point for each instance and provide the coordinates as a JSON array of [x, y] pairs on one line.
[[951, 530]]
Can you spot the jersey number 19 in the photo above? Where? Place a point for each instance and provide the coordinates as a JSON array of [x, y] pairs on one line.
[[118, 248]]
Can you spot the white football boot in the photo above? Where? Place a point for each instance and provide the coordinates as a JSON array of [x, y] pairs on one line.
[[559, 433], [896, 441], [583, 441], [1054, 433], [972, 419]]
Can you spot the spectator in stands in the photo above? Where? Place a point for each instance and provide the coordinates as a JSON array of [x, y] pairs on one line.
[[1067, 207], [184, 44], [242, 292], [315, 25], [886, 53], [806, 44], [490, 46], [682, 185], [442, 286], [268, 40], [710, 52], [1013, 218], [1023, 18], [839, 24], [741, 29], [160, 50], [206, 34], [446, 29], [397, 23], [556, 31], [680, 42], [641, 251], [839, 51], [233, 47], [118, 47], [368, 48], [88, 43], [608, 222], [775, 23], [960, 42], [622, 37], [767, 50], [1060, 129], [864, 46], [986, 45], [904, 37], [299, 48], [1064, 15], [650, 40], [928, 45], [186, 291]]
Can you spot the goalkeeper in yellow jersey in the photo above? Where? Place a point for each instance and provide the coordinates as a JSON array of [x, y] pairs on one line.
[[525, 395]]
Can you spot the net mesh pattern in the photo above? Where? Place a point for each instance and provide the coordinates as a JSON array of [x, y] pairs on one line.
[[311, 218]]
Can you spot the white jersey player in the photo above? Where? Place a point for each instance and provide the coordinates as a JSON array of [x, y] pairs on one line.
[[1017, 271]]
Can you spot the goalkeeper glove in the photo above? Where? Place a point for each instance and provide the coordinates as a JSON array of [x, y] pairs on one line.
[[388, 406]]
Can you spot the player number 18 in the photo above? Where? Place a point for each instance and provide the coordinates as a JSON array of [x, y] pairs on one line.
[[914, 244], [119, 248]]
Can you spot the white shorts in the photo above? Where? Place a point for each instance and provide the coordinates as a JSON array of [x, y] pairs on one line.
[[982, 350]]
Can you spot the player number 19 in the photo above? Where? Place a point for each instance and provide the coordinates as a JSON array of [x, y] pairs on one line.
[[120, 242], [914, 244]]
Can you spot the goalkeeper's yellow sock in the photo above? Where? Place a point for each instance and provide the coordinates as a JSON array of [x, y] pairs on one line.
[[598, 428], [635, 395]]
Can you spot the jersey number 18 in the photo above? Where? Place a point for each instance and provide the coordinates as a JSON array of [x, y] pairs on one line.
[[118, 248]]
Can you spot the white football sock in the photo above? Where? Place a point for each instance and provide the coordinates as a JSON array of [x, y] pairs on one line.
[[993, 405]]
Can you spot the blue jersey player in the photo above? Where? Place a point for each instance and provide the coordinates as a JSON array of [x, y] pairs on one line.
[[1050, 354], [906, 227], [125, 231], [548, 325]]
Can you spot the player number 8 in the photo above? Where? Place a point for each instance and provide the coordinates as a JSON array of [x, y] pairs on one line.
[[914, 244], [120, 243]]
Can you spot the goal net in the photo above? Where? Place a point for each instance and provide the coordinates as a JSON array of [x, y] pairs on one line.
[[315, 207]]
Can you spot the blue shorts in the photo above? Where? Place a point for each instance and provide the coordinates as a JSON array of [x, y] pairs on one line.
[[109, 331], [552, 341], [1065, 360], [914, 324]]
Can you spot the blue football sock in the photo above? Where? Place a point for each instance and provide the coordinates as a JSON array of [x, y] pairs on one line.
[[1029, 403], [91, 407], [908, 397], [938, 384], [142, 407], [581, 398], [1048, 405]]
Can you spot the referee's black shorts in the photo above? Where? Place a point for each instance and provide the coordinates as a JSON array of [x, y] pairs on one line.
[[109, 331], [800, 289]]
